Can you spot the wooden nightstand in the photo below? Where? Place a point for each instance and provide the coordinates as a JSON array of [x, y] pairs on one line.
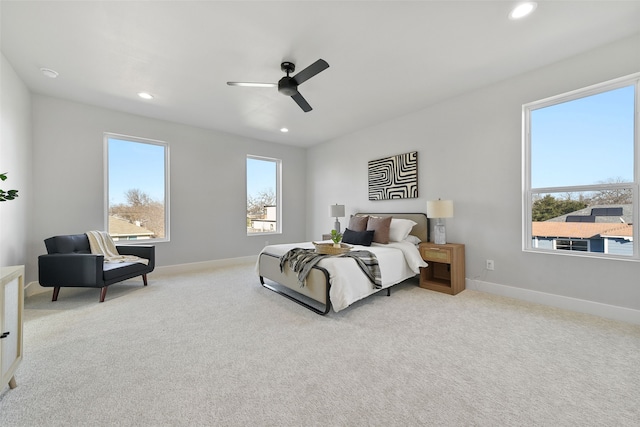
[[445, 272]]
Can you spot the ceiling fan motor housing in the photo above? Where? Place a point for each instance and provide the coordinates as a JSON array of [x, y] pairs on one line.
[[287, 86]]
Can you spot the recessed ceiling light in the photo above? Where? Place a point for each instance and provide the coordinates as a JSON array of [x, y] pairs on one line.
[[145, 95], [49, 72], [522, 10], [284, 130]]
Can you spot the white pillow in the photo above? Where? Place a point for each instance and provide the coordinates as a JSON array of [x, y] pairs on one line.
[[413, 239], [400, 229]]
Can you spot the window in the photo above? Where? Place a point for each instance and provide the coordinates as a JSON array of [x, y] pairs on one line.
[[580, 164], [572, 245], [137, 190], [263, 195]]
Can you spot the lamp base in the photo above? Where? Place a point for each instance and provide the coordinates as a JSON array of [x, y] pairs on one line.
[[440, 235], [336, 225]]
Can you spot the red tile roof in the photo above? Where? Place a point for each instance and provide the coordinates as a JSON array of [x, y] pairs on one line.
[[582, 230]]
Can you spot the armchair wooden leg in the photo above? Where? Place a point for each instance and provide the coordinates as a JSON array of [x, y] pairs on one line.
[[103, 293], [56, 291], [144, 279]]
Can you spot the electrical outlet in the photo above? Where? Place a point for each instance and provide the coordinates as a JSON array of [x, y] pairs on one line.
[[490, 265]]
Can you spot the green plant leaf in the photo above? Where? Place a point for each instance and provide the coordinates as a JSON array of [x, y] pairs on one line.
[[7, 195]]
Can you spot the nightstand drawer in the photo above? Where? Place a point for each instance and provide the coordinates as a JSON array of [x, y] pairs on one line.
[[436, 254]]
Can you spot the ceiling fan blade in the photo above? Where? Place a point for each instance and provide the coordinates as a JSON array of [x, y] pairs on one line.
[[252, 84], [310, 71], [302, 102]]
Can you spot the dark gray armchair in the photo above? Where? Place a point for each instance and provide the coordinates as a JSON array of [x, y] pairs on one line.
[[70, 263]]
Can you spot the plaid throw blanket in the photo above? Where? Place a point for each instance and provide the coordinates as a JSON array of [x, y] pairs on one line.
[[302, 261]]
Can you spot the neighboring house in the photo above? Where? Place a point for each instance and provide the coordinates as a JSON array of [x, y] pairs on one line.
[[604, 229], [599, 213], [121, 229], [268, 221]]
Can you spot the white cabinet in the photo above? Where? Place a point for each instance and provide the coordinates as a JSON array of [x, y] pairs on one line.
[[11, 321]]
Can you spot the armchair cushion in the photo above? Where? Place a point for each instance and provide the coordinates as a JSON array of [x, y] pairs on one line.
[[73, 243]]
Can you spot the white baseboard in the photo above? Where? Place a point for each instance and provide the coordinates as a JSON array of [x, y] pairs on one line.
[[204, 265], [582, 306], [33, 288]]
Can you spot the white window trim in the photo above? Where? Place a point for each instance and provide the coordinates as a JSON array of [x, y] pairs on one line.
[[167, 204], [527, 191], [278, 163]]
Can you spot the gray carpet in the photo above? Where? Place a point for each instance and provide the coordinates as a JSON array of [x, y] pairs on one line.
[[215, 348]]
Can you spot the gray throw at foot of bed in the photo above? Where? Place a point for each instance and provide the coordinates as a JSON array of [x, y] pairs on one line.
[[302, 261]]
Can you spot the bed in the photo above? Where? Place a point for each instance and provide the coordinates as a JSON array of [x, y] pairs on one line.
[[338, 282]]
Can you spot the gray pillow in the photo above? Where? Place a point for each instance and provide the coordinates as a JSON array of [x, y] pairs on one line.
[[381, 227], [358, 223]]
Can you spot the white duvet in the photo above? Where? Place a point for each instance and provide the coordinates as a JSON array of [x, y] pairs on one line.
[[398, 261]]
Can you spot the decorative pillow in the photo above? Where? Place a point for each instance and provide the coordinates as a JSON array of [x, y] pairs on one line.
[[413, 239], [400, 229], [363, 238], [381, 228], [358, 223]]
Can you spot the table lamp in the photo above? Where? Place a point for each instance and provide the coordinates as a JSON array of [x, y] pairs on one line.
[[336, 211], [439, 209]]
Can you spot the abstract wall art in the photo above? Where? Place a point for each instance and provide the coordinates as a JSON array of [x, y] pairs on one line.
[[394, 177]]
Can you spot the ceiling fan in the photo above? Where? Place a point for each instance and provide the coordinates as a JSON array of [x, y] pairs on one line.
[[289, 85]]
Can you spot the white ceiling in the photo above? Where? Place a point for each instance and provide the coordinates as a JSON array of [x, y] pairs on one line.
[[387, 58]]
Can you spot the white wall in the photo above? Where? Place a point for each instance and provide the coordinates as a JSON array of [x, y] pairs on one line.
[[469, 150], [15, 160], [207, 174]]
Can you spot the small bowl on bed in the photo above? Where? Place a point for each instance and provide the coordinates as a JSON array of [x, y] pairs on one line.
[[329, 249]]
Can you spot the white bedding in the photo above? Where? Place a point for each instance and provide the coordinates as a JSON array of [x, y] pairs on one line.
[[398, 261]]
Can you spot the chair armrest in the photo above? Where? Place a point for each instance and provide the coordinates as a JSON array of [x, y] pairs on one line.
[[147, 252], [70, 270]]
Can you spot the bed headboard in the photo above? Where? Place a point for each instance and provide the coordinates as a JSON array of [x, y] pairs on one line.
[[420, 230]]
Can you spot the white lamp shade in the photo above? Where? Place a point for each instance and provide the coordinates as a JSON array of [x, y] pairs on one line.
[[336, 211], [440, 208]]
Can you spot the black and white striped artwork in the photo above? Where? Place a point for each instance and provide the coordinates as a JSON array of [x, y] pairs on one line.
[[394, 177]]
